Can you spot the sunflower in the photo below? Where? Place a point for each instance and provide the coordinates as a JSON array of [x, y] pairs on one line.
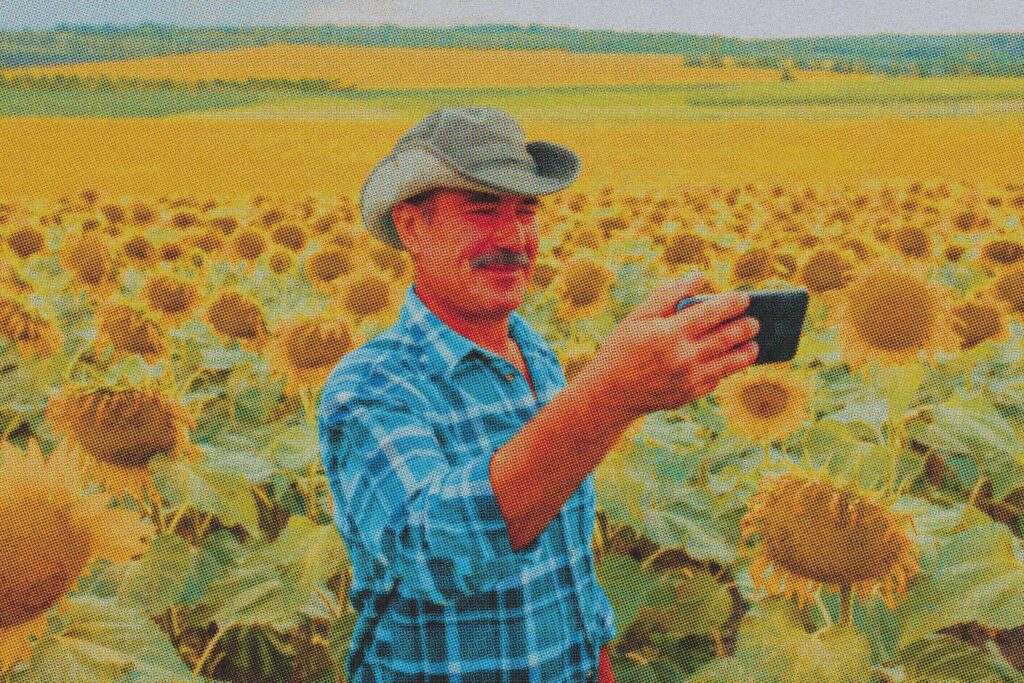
[[129, 331], [121, 428], [281, 261], [978, 319], [754, 266], [86, 257], [305, 350], [764, 403], [33, 335], [582, 288], [1008, 287], [235, 316], [172, 298], [138, 250], [50, 535], [685, 248], [325, 267], [818, 532], [1001, 252], [891, 314], [26, 241], [366, 296], [825, 269]]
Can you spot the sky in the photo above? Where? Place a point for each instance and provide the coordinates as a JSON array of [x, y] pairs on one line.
[[739, 18]]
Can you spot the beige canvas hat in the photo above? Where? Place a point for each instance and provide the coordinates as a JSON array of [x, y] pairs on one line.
[[473, 148]]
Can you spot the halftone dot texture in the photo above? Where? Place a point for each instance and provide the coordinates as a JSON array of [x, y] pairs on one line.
[[184, 262]]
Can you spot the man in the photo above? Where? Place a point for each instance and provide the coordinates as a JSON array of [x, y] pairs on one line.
[[458, 457]]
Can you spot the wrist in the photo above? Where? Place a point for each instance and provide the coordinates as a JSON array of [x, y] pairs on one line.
[[595, 403]]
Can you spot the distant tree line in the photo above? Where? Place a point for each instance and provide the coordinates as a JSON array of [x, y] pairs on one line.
[[990, 54], [14, 79]]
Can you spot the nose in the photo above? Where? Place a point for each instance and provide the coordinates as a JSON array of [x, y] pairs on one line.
[[513, 232]]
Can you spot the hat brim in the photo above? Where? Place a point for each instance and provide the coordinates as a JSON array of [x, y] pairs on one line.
[[401, 176]]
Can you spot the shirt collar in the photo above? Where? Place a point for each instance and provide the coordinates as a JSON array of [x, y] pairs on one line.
[[439, 345]]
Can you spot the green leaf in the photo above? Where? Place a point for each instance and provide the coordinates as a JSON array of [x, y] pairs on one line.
[[681, 516], [977, 574], [100, 640], [773, 639], [627, 585], [698, 603], [154, 581], [224, 494], [948, 659]]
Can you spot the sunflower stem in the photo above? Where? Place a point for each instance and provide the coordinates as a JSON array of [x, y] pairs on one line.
[[823, 608], [845, 604], [177, 517], [719, 646], [209, 649]]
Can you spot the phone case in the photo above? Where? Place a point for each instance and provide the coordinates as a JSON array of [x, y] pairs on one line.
[[781, 315]]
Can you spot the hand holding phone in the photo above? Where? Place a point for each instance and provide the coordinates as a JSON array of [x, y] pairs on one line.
[[780, 313]]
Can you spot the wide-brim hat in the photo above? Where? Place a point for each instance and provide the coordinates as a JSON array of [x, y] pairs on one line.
[[472, 148]]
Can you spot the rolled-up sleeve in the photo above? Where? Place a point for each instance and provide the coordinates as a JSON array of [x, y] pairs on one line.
[[436, 527]]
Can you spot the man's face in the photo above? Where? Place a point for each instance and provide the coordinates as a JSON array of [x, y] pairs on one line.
[[473, 251]]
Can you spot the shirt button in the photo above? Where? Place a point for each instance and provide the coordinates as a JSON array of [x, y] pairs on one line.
[[509, 376]]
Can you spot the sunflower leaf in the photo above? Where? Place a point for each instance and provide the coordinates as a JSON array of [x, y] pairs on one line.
[[627, 584], [102, 640], [773, 639], [945, 658], [977, 574], [225, 494], [154, 581]]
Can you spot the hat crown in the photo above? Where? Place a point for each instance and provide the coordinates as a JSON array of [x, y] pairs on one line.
[[467, 137]]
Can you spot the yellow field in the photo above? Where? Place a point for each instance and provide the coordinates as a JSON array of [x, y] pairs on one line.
[[417, 68], [47, 157]]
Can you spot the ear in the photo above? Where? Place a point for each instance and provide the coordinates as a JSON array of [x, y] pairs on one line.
[[409, 224]]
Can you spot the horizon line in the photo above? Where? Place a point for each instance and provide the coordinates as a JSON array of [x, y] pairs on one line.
[[107, 25]]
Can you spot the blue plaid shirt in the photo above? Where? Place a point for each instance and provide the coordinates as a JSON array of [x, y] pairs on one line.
[[407, 426]]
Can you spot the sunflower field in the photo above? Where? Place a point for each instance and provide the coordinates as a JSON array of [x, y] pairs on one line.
[[853, 515]]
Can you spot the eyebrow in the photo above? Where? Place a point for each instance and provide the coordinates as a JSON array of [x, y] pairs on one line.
[[488, 198]]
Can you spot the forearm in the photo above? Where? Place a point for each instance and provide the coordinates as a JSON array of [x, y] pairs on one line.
[[536, 471]]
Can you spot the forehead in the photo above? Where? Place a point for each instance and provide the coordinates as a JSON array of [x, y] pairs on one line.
[[462, 196]]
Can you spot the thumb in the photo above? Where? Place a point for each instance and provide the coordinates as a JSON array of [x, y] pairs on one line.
[[667, 295]]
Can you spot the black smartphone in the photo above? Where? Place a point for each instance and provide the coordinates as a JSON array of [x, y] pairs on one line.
[[780, 313]]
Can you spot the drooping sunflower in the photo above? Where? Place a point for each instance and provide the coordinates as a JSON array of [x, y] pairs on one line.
[[366, 296], [171, 297], [129, 330], [764, 403], [239, 317], [51, 534], [34, 335], [305, 350], [85, 255], [892, 314], [325, 267], [121, 428], [1008, 286], [582, 288], [817, 532], [979, 318]]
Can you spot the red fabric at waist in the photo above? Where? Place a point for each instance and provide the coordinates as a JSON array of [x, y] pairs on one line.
[[604, 667]]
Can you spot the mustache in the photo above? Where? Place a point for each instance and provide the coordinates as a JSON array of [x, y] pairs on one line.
[[502, 258]]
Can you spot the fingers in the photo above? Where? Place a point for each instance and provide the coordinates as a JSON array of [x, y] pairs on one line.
[[731, 362], [697, 320], [725, 337]]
